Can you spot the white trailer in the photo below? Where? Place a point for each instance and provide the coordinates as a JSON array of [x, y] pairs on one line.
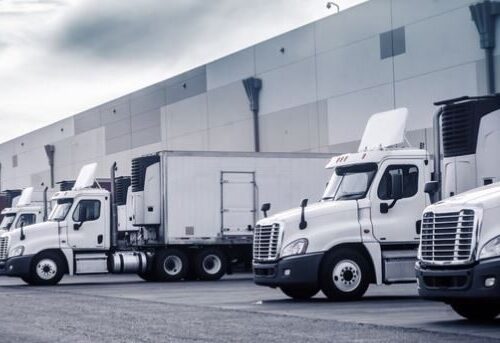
[[185, 215]]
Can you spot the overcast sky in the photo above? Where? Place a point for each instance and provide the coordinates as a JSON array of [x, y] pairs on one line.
[[60, 57]]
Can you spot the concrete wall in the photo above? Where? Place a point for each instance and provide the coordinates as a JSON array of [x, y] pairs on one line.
[[321, 82]]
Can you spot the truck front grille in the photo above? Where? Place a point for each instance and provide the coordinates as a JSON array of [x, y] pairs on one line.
[[266, 243], [448, 238], [4, 247]]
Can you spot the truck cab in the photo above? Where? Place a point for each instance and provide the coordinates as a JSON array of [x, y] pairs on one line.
[[15, 217], [459, 256], [365, 229], [25, 211], [73, 239]]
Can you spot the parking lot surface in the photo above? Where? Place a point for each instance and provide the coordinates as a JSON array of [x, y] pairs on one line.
[[126, 309]]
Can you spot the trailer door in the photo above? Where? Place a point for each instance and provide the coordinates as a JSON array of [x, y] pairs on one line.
[[238, 200]]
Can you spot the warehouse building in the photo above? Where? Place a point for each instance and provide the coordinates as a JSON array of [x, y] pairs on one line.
[[311, 90]]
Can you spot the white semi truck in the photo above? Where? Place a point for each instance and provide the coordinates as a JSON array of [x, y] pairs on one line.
[[366, 227], [185, 215], [459, 254], [29, 208], [33, 205]]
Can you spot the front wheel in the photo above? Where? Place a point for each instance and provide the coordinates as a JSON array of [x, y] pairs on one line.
[[300, 293], [344, 275], [171, 265], [476, 312], [46, 269]]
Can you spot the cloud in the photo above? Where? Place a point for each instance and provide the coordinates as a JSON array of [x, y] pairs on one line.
[[60, 57], [23, 7], [152, 29]]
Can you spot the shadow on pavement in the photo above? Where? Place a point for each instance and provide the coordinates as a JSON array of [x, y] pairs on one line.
[[110, 282], [464, 323], [363, 300]]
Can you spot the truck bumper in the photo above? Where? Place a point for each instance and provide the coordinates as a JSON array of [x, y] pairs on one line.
[[468, 283], [16, 266], [299, 270]]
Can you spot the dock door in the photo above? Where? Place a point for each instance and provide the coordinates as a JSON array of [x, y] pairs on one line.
[[238, 202]]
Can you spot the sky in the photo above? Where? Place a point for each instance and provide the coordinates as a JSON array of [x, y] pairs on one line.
[[61, 57]]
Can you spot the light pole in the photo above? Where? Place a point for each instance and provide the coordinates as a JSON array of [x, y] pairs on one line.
[[329, 5]]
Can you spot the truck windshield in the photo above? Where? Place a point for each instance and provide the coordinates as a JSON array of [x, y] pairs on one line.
[[60, 210], [7, 221], [350, 182]]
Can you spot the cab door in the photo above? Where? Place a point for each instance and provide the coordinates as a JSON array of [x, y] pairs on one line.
[[398, 220], [87, 224]]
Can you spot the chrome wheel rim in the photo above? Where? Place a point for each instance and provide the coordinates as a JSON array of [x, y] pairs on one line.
[[211, 264], [172, 265], [46, 269], [346, 276]]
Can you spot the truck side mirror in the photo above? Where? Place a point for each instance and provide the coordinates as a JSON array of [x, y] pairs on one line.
[[396, 186], [384, 207], [82, 217], [22, 236], [431, 187], [303, 222], [265, 207], [396, 193]]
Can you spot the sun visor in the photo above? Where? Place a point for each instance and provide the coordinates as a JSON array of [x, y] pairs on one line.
[[25, 198], [385, 129], [86, 178]]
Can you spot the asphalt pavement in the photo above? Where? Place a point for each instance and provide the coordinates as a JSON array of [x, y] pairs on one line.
[[123, 308]]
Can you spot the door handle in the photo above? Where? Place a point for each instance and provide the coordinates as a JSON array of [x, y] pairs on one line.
[[99, 239]]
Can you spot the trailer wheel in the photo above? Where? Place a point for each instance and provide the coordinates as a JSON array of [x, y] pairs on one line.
[[476, 312], [171, 265], [300, 293], [210, 264], [47, 268], [344, 275]]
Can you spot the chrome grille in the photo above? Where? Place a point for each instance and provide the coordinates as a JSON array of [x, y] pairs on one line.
[[448, 238], [266, 242], [4, 247]]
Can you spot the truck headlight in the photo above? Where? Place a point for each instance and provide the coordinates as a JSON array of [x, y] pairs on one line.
[[17, 251], [491, 249], [297, 247]]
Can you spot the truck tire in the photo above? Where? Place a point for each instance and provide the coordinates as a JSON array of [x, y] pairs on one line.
[[344, 275], [150, 274], [476, 312], [210, 264], [300, 293], [47, 268], [171, 265]]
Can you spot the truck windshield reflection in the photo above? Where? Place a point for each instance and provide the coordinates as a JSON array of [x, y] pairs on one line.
[[350, 182], [60, 210]]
